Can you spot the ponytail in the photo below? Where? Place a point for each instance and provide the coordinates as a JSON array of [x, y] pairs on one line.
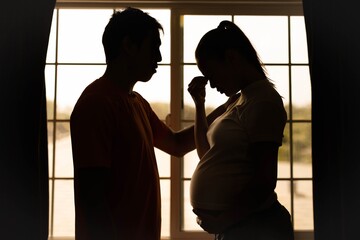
[[227, 36]]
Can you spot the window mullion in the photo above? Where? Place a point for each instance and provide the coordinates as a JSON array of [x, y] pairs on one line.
[[175, 120]]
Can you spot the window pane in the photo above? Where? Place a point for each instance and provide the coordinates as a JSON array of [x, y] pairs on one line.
[[50, 90], [301, 92], [284, 155], [165, 208], [302, 150], [50, 205], [157, 91], [283, 192], [299, 53], [64, 210], [163, 162], [63, 151], [50, 129], [191, 160], [51, 51], [72, 81], [279, 75], [303, 169], [195, 27], [80, 35], [303, 205], [189, 219], [269, 36]]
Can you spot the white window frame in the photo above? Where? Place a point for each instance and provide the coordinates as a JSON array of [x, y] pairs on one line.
[[178, 9]]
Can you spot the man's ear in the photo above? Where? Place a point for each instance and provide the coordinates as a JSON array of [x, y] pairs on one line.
[[128, 46]]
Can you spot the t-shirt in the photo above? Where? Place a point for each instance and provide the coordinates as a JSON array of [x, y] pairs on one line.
[[113, 129], [225, 169]]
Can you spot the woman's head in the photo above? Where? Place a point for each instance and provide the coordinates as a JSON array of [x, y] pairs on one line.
[[227, 36], [216, 45]]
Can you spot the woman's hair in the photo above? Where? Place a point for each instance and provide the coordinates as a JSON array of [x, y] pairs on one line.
[[227, 36], [132, 23]]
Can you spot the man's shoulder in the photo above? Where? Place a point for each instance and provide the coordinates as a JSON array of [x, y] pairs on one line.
[[95, 87], [92, 99], [95, 91]]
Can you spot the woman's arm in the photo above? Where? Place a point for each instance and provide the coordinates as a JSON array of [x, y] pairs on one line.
[[197, 90], [265, 157], [200, 130], [178, 143]]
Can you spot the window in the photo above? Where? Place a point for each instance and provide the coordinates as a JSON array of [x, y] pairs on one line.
[[75, 58]]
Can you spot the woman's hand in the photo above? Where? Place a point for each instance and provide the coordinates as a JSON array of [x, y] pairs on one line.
[[219, 223], [196, 88]]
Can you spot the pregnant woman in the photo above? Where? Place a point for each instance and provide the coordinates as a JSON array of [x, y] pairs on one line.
[[232, 188]]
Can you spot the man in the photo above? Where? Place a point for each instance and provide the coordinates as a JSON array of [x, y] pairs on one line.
[[114, 132]]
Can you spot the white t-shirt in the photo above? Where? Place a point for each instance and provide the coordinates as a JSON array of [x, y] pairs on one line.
[[224, 170]]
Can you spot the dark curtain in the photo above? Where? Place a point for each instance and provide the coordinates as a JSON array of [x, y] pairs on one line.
[[333, 30], [24, 32]]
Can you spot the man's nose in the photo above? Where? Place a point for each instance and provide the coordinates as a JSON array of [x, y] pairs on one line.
[[159, 57]]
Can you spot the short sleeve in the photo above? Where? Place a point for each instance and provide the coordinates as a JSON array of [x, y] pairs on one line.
[[91, 134], [159, 128], [265, 122]]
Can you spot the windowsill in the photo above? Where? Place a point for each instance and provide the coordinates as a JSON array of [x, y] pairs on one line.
[[299, 235]]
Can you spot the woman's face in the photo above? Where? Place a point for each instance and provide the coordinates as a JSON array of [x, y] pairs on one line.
[[221, 75]]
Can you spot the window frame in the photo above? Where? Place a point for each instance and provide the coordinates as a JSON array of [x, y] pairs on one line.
[[178, 10]]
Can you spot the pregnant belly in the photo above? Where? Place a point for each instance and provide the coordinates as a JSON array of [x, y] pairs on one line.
[[216, 189]]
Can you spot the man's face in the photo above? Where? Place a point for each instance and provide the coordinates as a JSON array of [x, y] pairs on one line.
[[148, 56]]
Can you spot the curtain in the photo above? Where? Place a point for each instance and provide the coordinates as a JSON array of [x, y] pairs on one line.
[[333, 35], [24, 189]]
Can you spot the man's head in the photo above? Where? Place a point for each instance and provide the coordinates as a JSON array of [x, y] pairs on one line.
[[131, 23]]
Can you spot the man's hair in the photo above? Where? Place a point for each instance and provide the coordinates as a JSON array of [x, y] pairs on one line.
[[132, 23]]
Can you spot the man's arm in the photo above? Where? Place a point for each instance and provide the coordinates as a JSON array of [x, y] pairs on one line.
[[178, 143]]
